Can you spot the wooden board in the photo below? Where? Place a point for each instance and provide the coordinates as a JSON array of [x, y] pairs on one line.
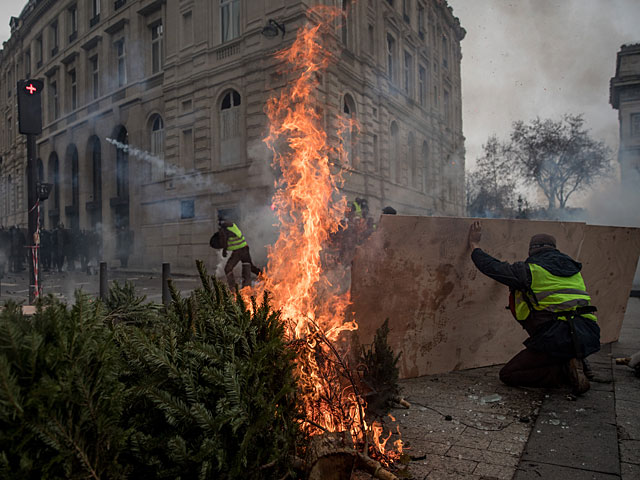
[[443, 313], [609, 257]]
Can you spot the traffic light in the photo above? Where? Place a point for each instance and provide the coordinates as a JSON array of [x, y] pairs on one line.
[[29, 106]]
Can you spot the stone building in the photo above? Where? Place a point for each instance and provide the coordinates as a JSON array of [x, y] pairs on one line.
[[180, 86], [624, 96]]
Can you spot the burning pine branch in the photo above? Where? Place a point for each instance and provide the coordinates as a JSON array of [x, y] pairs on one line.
[[310, 209]]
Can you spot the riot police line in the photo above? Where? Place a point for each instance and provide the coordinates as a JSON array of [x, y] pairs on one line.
[[61, 249]]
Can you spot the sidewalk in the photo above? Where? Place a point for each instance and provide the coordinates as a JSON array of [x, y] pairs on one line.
[[467, 425]]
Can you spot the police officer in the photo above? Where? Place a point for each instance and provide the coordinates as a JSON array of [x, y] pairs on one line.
[[548, 298]]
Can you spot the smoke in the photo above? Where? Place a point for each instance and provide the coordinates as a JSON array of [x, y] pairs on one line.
[[540, 58], [191, 178]]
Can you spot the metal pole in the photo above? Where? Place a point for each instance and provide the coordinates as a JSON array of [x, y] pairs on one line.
[[166, 273], [104, 284], [32, 179]]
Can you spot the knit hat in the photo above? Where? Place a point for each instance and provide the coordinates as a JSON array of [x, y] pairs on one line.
[[540, 242], [389, 211]]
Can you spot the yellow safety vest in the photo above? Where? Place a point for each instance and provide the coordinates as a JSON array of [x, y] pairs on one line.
[[553, 294], [236, 241]]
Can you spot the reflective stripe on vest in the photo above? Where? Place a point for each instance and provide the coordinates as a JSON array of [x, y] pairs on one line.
[[552, 294], [236, 241]]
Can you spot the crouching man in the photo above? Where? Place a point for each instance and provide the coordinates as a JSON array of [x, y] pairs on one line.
[[549, 300]]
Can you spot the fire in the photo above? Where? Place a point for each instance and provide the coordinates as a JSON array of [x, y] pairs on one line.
[[310, 208]]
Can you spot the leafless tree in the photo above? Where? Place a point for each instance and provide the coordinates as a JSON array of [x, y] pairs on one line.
[[559, 156], [491, 185]]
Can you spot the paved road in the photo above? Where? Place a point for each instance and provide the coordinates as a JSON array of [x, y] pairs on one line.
[[64, 284]]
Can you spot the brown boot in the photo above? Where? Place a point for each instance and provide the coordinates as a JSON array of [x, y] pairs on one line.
[[577, 379]]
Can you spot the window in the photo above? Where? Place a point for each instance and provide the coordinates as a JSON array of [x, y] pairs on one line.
[[95, 76], [95, 10], [445, 52], [376, 154], [347, 140], [406, 10], [187, 28], [231, 145], [635, 124], [394, 149], [54, 39], [408, 74], [391, 46], [426, 168], [39, 51], [121, 62], [73, 22], [73, 89], [230, 19], [421, 22], [157, 148], [156, 47], [371, 39], [447, 108], [346, 8], [53, 100], [187, 209], [186, 149], [435, 95], [422, 86], [27, 63], [413, 167]]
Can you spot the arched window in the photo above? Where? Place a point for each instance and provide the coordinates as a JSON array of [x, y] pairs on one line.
[[348, 131], [95, 205], [53, 204], [155, 167], [9, 194], [72, 209], [394, 150], [122, 165], [231, 141], [413, 174], [426, 168], [41, 179]]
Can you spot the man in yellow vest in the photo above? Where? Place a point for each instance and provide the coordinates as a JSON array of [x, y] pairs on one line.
[[231, 239], [549, 300]]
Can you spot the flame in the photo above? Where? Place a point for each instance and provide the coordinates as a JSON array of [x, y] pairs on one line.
[[310, 208]]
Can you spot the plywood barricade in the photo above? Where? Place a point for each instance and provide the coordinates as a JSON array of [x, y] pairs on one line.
[[444, 314]]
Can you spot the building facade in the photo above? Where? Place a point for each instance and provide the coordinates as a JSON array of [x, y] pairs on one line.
[[624, 96], [153, 113]]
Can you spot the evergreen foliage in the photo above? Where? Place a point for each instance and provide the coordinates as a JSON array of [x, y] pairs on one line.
[[381, 372], [123, 305], [60, 396], [127, 389], [213, 389]]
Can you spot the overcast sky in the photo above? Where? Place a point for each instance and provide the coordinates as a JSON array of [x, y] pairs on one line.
[[523, 58], [528, 58]]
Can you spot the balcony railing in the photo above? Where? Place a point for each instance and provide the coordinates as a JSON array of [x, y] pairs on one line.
[[119, 3], [73, 36], [94, 20], [54, 51]]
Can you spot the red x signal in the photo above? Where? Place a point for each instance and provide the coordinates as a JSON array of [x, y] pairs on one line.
[[31, 88]]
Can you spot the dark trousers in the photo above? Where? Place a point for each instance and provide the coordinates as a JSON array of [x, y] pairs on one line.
[[241, 255], [530, 368]]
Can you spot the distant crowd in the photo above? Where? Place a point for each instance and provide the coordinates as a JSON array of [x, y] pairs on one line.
[[60, 249]]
